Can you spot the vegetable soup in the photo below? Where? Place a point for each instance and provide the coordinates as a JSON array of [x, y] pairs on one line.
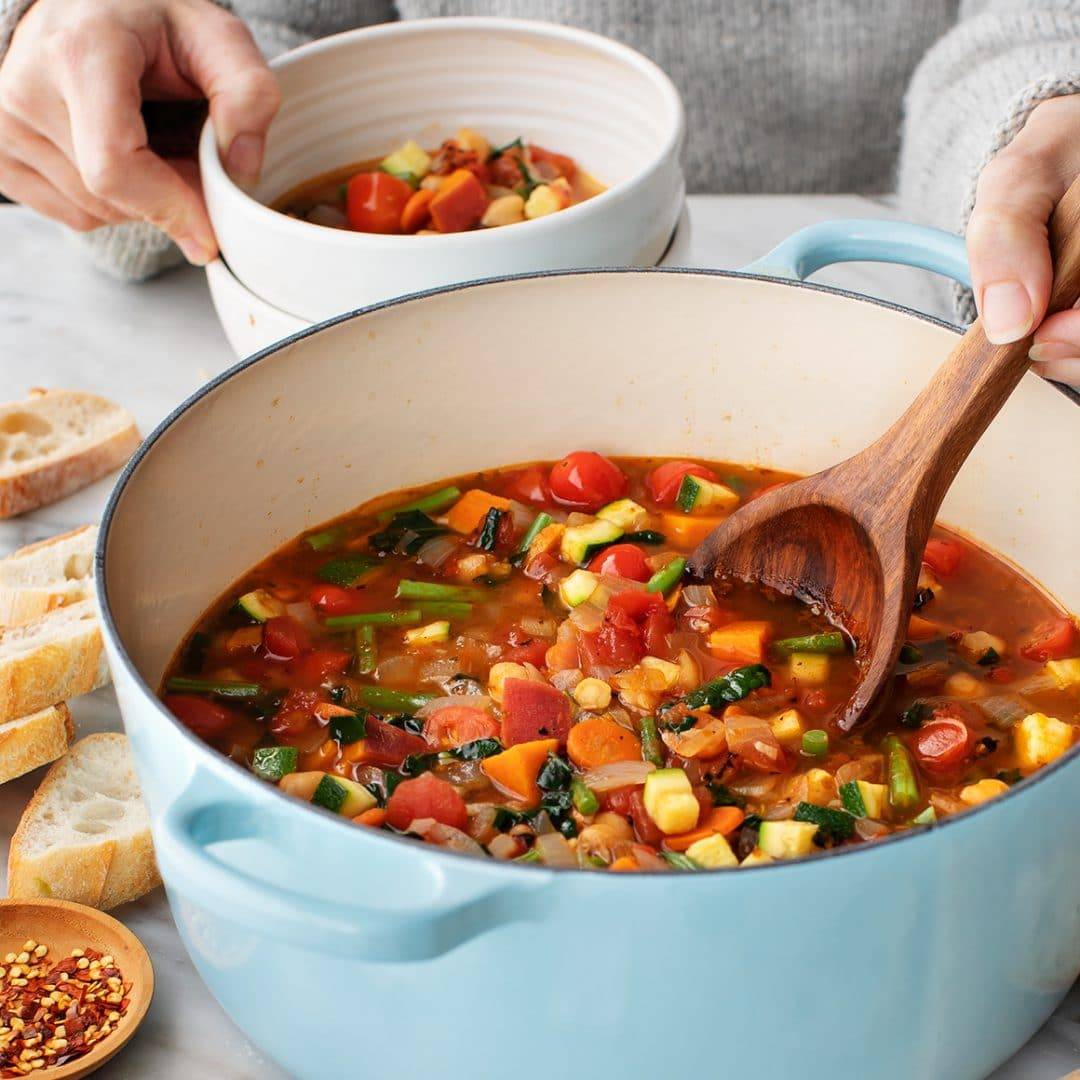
[[515, 664]]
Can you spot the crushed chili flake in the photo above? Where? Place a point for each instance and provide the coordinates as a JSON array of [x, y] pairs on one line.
[[52, 1013]]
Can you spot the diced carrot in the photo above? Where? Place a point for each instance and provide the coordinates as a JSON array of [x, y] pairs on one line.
[[625, 864], [598, 741], [326, 710], [721, 819], [742, 642], [515, 770], [686, 530], [244, 640], [459, 204], [373, 817], [920, 629], [471, 509], [417, 210]]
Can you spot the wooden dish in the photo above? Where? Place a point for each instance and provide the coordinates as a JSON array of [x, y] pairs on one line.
[[63, 926]]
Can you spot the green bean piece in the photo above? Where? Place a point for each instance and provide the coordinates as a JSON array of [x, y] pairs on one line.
[[320, 541], [540, 522], [831, 642], [585, 800], [347, 570], [408, 617], [652, 746], [815, 742], [382, 700], [428, 504], [367, 655], [429, 590], [183, 685], [665, 579], [445, 609], [903, 787]]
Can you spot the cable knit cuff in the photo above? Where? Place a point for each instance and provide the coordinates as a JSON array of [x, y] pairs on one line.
[[1020, 108]]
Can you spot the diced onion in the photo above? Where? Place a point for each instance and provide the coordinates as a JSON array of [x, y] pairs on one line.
[[441, 670], [870, 830], [587, 618], [1004, 710], [617, 774], [303, 613], [699, 596], [400, 670], [503, 847], [474, 701], [330, 216], [539, 626], [435, 832], [1036, 684], [555, 851], [567, 679], [437, 550], [523, 515], [754, 787], [646, 858], [780, 811], [869, 767]]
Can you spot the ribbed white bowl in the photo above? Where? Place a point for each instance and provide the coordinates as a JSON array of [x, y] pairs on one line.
[[359, 94]]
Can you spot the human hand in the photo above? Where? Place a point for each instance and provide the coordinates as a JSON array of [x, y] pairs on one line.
[[1008, 243], [73, 144]]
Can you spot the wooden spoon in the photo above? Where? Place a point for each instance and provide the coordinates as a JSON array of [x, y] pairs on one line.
[[851, 538]]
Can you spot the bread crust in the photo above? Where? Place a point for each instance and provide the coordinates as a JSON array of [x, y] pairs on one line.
[[33, 580], [34, 740]]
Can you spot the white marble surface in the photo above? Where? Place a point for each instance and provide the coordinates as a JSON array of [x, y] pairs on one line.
[[64, 325]]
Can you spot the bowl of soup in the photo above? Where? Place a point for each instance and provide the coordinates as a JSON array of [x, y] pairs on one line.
[[390, 171], [425, 706]]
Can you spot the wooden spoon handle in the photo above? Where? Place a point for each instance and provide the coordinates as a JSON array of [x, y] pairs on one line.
[[922, 452]]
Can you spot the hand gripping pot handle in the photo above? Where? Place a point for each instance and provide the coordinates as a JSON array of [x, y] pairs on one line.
[[411, 906]]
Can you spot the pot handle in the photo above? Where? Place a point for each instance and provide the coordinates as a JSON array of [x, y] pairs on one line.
[[411, 909], [857, 240]]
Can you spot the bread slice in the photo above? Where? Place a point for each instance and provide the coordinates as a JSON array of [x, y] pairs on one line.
[[85, 835], [34, 740], [50, 574], [56, 442], [51, 659]]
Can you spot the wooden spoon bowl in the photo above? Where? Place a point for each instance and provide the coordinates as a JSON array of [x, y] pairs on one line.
[[851, 538], [64, 926]]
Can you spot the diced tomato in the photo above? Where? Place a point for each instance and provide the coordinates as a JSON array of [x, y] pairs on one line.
[[459, 204], [634, 624], [296, 714], [1054, 639], [529, 485], [426, 797], [374, 202], [1000, 675], [506, 169], [645, 829], [619, 640], [943, 743], [456, 725], [657, 625], [636, 603], [315, 668], [664, 481], [336, 600], [533, 710], [525, 649], [385, 744], [622, 560], [586, 480], [618, 800], [204, 717], [284, 638], [560, 164], [814, 700], [943, 556]]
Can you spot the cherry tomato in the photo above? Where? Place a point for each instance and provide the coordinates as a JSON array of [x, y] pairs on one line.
[[529, 485], [336, 600], [1054, 639], [586, 480], [618, 800], [284, 638], [943, 744], [296, 713], [374, 202], [645, 829], [205, 718], [943, 556], [622, 560], [664, 481], [456, 725], [426, 797]]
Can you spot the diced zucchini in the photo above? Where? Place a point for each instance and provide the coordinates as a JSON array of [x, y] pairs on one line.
[[874, 798], [757, 857], [301, 785], [1039, 739], [788, 726], [577, 588], [712, 853], [925, 817], [577, 539], [343, 796], [810, 669], [625, 513], [1065, 672], [698, 494], [260, 605], [787, 839], [273, 762], [409, 162], [665, 579], [430, 634], [670, 801]]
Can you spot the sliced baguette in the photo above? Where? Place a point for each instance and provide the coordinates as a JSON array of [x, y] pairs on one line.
[[47, 575], [34, 740], [85, 835], [56, 442], [51, 659]]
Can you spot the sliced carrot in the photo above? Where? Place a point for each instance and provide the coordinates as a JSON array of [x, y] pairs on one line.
[[598, 741], [688, 531], [459, 204], [625, 864], [515, 770], [244, 640], [326, 710], [416, 213], [920, 629], [471, 509], [373, 817], [721, 819], [743, 642]]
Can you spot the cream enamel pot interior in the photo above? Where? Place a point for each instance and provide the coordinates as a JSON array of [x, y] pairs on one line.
[[358, 95], [934, 954]]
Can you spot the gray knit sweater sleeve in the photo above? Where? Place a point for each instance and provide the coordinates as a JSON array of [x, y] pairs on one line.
[[972, 93]]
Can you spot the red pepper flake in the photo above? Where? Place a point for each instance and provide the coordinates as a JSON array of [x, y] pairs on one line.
[[51, 1014]]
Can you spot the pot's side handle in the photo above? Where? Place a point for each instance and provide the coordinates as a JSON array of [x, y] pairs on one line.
[[389, 922], [856, 240]]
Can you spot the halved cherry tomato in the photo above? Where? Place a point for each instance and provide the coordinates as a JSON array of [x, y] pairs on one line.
[[336, 600], [943, 556], [456, 725], [586, 480], [622, 560], [645, 829], [665, 480], [374, 202], [529, 485], [426, 797], [284, 638], [1054, 639], [296, 713], [617, 801], [943, 743], [205, 718]]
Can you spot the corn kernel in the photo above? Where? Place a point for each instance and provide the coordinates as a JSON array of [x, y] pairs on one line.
[[592, 694]]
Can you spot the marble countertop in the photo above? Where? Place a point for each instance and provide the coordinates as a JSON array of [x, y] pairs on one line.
[[147, 347]]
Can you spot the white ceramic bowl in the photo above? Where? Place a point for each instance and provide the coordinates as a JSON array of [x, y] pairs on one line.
[[357, 95]]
